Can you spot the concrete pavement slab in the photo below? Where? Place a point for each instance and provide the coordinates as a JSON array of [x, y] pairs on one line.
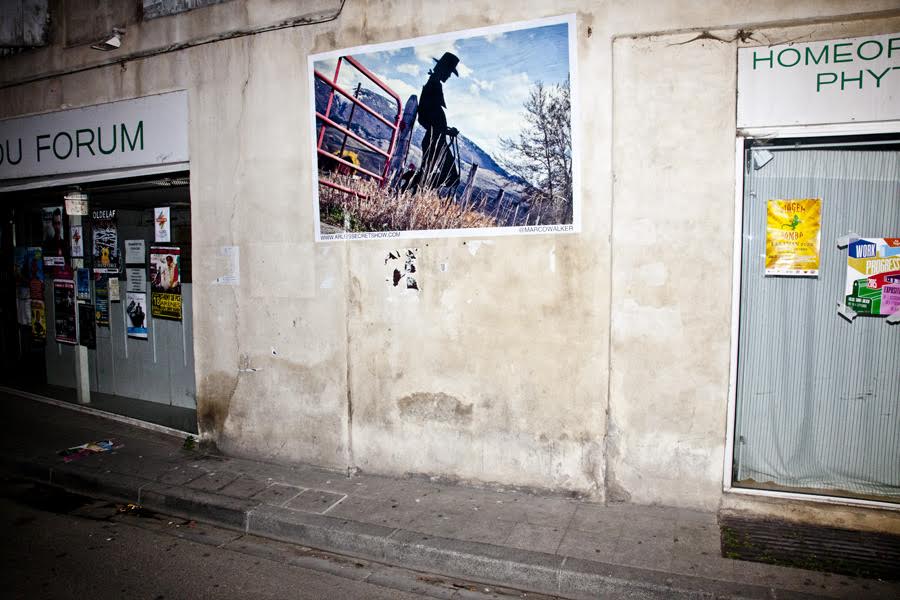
[[244, 487], [277, 494], [472, 528], [181, 474], [213, 481], [534, 537], [587, 545], [370, 510], [314, 501]]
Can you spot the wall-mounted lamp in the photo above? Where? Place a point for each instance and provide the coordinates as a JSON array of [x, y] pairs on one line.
[[113, 41]]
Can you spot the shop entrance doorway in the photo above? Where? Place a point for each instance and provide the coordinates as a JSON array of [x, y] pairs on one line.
[[119, 284]]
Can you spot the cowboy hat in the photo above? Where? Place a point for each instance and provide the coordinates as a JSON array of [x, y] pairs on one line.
[[447, 61]]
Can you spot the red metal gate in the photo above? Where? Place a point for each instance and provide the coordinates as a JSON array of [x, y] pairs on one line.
[[327, 121]]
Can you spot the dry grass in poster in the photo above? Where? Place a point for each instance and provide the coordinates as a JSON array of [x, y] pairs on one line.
[[382, 209]]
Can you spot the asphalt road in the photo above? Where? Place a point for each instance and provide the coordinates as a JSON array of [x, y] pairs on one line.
[[58, 545]]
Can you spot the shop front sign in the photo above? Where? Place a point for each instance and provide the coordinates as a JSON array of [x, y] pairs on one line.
[[146, 131], [832, 81]]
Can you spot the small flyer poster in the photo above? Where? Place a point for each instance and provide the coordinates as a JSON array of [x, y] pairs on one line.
[[38, 321], [105, 249], [165, 282], [101, 301], [29, 269], [136, 314], [54, 244], [135, 252], [76, 232], [64, 308], [162, 225], [77, 208], [87, 336], [873, 276], [792, 237], [83, 279], [137, 279], [113, 285]]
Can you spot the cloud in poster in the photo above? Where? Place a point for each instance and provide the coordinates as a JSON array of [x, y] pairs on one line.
[[496, 73]]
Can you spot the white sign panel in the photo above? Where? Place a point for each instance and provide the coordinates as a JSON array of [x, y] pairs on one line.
[[77, 208], [146, 131], [833, 81], [137, 280], [135, 251]]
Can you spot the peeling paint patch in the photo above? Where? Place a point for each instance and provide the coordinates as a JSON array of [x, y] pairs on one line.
[[475, 245], [402, 270], [327, 283], [426, 407]]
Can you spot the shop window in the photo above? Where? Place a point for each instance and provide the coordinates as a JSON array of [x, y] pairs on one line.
[[818, 394]]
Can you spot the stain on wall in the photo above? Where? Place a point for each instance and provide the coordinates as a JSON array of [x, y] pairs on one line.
[[436, 407]]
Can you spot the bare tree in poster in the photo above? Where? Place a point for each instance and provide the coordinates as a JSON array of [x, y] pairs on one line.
[[542, 155]]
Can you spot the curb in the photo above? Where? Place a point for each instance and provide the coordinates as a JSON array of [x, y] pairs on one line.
[[551, 574]]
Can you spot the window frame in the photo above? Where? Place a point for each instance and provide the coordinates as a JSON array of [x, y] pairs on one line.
[[774, 134]]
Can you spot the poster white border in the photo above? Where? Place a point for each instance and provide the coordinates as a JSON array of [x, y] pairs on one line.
[[574, 227]]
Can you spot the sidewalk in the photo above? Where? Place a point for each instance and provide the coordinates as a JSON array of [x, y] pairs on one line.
[[543, 543]]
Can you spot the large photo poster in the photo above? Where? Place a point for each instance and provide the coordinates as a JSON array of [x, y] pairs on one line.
[[465, 133], [54, 244], [105, 246], [65, 315], [873, 276], [136, 315], [165, 282]]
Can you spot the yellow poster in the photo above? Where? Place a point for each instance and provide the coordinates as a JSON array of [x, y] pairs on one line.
[[792, 237]]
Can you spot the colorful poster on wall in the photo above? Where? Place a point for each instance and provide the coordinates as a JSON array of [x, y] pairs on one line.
[[105, 248], [165, 282], [162, 225], [38, 321], [87, 335], [136, 315], [28, 272], [443, 136], [65, 314], [28, 266], [101, 301], [76, 241], [792, 237], [54, 244], [83, 280], [873, 276]]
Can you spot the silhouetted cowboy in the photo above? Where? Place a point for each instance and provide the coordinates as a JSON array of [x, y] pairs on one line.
[[437, 168]]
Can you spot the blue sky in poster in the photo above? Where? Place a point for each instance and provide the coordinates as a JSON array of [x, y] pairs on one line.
[[496, 73]]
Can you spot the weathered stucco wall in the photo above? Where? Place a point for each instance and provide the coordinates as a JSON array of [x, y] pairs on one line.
[[518, 356]]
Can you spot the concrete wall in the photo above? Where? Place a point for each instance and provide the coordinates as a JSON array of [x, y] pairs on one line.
[[578, 362]]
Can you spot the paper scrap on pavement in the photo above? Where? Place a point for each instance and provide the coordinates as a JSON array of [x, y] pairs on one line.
[[98, 447]]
